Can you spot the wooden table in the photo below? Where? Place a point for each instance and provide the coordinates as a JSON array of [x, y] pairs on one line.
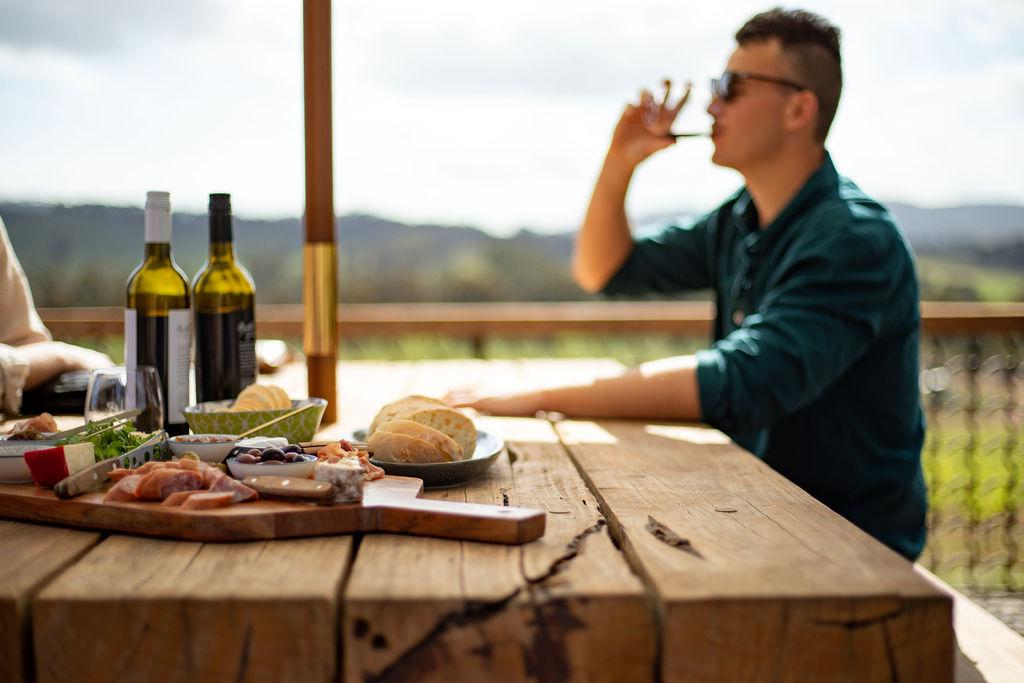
[[670, 554]]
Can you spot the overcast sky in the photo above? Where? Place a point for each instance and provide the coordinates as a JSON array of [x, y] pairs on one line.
[[492, 114]]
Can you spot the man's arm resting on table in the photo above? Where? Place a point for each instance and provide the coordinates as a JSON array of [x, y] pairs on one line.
[[664, 389]]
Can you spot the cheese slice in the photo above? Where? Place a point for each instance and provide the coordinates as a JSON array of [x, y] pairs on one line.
[[49, 465], [346, 475]]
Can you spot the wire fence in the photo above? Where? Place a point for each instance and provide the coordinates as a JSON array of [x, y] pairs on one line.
[[973, 460]]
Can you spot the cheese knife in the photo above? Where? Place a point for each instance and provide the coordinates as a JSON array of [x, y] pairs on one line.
[[89, 478], [292, 488], [95, 474]]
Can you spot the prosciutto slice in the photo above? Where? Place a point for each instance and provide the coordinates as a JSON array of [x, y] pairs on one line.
[[207, 499], [175, 483], [160, 483], [124, 490]]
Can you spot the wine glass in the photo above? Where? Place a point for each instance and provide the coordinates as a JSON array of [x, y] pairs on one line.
[[115, 390]]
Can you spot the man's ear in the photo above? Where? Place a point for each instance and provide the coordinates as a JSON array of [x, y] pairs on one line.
[[802, 111]]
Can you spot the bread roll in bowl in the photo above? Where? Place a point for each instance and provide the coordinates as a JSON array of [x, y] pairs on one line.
[[431, 413], [408, 441]]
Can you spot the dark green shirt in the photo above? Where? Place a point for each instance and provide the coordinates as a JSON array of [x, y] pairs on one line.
[[814, 365]]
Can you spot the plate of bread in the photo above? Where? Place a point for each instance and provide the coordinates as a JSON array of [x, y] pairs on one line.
[[423, 437]]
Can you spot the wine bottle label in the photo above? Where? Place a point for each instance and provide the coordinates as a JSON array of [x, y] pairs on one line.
[[163, 342], [225, 354], [179, 352]]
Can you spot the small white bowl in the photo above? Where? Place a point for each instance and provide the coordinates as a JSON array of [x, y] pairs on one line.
[[208, 452], [13, 469], [258, 469]]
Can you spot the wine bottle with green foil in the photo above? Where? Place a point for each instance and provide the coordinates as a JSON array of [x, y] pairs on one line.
[[157, 319], [223, 298]]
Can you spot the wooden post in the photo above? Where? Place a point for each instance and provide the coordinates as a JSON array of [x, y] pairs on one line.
[[319, 283]]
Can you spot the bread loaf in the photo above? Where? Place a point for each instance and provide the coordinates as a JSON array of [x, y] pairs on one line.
[[418, 443], [397, 409], [449, 432]]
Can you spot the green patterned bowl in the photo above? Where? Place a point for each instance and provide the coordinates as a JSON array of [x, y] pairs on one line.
[[212, 418]]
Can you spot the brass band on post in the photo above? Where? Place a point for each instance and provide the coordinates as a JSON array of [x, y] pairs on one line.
[[319, 298]]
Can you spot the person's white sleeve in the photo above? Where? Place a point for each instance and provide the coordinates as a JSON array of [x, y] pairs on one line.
[[19, 322], [13, 372]]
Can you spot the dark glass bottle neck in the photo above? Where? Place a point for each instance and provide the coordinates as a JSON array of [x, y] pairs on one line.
[[220, 227]]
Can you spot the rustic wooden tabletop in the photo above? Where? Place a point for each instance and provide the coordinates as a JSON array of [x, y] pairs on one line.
[[670, 554]]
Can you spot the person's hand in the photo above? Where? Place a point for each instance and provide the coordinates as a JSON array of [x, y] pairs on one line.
[[49, 359], [643, 128], [517, 404]]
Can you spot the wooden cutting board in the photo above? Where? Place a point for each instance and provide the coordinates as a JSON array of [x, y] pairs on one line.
[[391, 504]]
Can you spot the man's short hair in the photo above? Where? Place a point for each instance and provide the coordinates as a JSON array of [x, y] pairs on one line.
[[812, 43]]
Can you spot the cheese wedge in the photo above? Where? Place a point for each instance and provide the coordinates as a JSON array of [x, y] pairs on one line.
[[346, 475], [49, 465]]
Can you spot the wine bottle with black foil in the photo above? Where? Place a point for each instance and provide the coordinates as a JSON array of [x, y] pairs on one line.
[[157, 319], [223, 297]]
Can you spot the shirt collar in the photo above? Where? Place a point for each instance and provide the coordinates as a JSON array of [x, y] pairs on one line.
[[824, 179]]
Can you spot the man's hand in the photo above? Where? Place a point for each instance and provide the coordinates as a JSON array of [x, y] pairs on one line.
[[517, 404], [643, 128], [49, 359]]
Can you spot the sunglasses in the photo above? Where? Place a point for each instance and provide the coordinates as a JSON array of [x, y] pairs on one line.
[[725, 85]]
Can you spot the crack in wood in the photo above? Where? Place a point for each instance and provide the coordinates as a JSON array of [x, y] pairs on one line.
[[669, 537], [243, 664], [890, 654], [854, 624], [419, 658], [546, 659], [572, 549]]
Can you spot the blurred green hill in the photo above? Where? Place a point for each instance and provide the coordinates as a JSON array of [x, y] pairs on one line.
[[82, 255]]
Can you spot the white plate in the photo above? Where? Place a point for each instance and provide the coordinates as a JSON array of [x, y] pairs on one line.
[[285, 469], [207, 452]]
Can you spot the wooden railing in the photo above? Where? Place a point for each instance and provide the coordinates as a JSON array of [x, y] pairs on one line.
[[972, 386], [477, 320]]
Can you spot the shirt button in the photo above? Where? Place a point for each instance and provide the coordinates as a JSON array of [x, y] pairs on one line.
[[737, 318]]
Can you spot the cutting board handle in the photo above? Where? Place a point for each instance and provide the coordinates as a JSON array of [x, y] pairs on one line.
[[462, 521]]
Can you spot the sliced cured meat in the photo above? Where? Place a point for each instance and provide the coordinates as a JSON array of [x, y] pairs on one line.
[[239, 491], [370, 471], [333, 453], [33, 428], [333, 449], [211, 475], [205, 500], [179, 497], [119, 473], [147, 467], [189, 464], [160, 483], [124, 490]]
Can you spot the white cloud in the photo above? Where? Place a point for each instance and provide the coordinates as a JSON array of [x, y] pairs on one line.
[[493, 114], [104, 26]]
